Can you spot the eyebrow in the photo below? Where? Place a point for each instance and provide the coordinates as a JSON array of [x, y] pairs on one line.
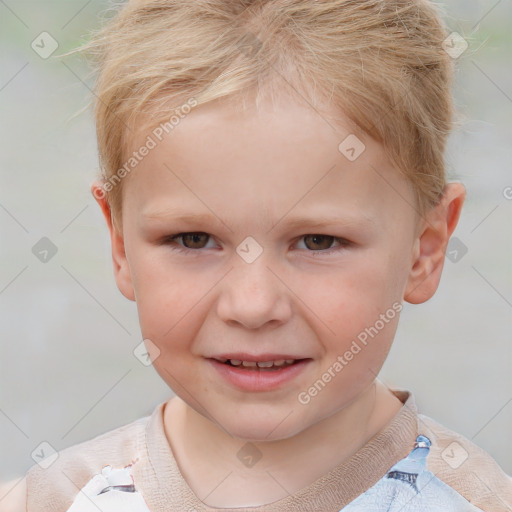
[[311, 221]]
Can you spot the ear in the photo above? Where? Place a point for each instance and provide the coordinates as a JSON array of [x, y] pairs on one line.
[[121, 268], [433, 234]]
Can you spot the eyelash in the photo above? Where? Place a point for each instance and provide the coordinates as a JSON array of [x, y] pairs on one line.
[[171, 241]]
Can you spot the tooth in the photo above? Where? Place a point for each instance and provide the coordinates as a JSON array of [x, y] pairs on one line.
[[235, 362], [289, 361], [249, 363], [221, 359], [279, 362], [266, 364]]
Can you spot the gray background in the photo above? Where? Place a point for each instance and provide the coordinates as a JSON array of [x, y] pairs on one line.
[[67, 371]]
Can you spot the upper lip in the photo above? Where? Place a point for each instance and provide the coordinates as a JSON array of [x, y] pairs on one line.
[[243, 356]]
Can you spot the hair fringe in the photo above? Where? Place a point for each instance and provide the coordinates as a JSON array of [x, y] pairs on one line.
[[380, 63]]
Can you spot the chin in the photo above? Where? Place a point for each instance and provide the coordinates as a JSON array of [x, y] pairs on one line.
[[260, 429]]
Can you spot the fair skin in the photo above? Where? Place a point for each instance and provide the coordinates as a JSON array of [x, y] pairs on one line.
[[13, 495], [304, 297]]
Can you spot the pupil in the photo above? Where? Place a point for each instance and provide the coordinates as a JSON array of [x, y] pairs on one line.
[[317, 239], [194, 237]]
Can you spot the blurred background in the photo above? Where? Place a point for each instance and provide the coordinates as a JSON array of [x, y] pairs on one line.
[[67, 368]]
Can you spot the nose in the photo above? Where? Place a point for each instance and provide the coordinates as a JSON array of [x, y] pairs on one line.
[[253, 296]]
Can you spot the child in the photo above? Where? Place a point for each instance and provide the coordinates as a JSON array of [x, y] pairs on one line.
[[302, 142]]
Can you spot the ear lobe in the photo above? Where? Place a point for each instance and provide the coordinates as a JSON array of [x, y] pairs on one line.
[[430, 245], [120, 263]]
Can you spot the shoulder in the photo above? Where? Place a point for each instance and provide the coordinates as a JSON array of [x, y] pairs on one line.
[[465, 467], [53, 483], [13, 496]]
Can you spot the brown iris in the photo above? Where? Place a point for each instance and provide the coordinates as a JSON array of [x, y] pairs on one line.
[[324, 241], [194, 238]]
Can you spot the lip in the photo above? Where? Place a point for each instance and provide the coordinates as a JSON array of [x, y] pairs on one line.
[[244, 356], [258, 380]]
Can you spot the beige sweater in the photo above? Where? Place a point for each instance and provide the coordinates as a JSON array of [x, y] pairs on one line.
[[477, 482]]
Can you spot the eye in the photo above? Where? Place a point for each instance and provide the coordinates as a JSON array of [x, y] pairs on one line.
[[317, 243], [193, 240]]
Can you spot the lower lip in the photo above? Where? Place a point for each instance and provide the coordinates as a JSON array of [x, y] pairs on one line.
[[258, 380]]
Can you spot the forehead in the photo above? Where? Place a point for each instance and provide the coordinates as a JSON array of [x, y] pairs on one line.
[[265, 162]]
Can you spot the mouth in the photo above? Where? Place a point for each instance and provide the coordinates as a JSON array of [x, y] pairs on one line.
[[267, 365], [258, 373]]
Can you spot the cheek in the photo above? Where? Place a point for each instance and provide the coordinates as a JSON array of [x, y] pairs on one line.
[[360, 306], [168, 300], [352, 297]]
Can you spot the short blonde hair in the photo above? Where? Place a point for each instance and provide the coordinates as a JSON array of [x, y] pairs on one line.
[[381, 63]]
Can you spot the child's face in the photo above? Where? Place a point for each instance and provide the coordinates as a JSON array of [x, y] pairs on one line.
[[304, 298]]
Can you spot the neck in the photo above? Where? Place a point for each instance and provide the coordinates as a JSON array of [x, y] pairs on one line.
[[204, 452]]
